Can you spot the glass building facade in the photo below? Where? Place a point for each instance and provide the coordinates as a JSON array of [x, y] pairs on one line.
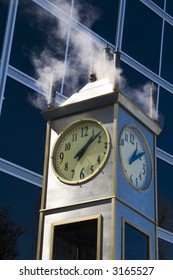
[[41, 37]]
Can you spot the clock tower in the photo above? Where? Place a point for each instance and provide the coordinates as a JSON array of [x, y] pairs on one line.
[[99, 198]]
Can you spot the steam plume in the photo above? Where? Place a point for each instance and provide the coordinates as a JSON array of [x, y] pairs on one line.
[[83, 51]]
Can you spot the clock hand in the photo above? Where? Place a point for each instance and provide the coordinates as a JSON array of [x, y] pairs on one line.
[[139, 155], [132, 159], [80, 153], [136, 156]]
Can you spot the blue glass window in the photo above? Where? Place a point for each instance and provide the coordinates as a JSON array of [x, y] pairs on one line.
[[136, 244], [165, 194], [164, 140], [159, 3], [169, 7], [22, 128], [36, 32], [63, 5], [167, 58], [165, 250], [142, 34], [23, 201], [3, 18], [136, 86], [106, 19]]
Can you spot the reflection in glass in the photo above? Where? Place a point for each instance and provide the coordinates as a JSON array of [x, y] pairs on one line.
[[159, 3], [100, 16], [136, 244], [45, 41], [142, 34], [75, 241], [169, 7], [22, 128], [165, 195], [167, 56], [164, 140], [23, 201], [63, 5], [165, 250], [137, 87]]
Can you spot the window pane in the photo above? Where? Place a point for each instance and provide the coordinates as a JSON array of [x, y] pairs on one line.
[[164, 140], [23, 201], [136, 244], [167, 58], [165, 250], [142, 34], [137, 87], [22, 128], [169, 7], [75, 241], [3, 18], [102, 14], [63, 5], [159, 3], [42, 43], [165, 194]]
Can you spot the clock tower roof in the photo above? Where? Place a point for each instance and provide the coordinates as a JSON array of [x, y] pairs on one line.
[[98, 94]]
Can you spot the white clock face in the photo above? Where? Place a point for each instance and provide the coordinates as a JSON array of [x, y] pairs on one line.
[[135, 157], [80, 151]]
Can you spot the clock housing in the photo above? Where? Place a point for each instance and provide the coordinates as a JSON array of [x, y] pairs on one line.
[[80, 151], [135, 157]]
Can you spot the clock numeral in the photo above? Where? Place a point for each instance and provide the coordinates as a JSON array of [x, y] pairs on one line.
[[136, 181], [105, 147], [99, 139], [126, 137], [98, 159], [144, 169], [82, 175], [140, 176], [131, 178], [61, 156], [74, 137], [72, 173], [84, 131], [67, 146], [66, 166], [122, 142], [132, 138], [92, 168]]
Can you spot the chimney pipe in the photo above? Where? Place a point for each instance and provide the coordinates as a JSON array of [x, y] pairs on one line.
[[117, 58], [53, 89], [153, 92]]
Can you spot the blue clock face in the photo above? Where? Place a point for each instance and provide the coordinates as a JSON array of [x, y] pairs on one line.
[[135, 157]]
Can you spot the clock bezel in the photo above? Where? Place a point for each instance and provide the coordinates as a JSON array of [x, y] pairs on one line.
[[149, 162], [59, 140]]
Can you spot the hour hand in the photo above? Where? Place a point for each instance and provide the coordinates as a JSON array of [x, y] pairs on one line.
[[80, 153], [135, 156]]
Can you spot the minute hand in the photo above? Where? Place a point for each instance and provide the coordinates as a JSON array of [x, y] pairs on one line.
[[137, 156], [80, 153]]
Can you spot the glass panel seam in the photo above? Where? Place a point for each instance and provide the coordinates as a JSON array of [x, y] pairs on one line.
[[146, 72], [74, 23], [165, 235], [6, 50], [120, 24], [164, 156], [20, 172], [30, 82], [152, 6]]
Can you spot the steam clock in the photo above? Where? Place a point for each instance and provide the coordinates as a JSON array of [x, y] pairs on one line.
[[99, 187]]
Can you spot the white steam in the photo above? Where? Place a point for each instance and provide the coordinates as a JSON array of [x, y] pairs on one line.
[[83, 58]]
